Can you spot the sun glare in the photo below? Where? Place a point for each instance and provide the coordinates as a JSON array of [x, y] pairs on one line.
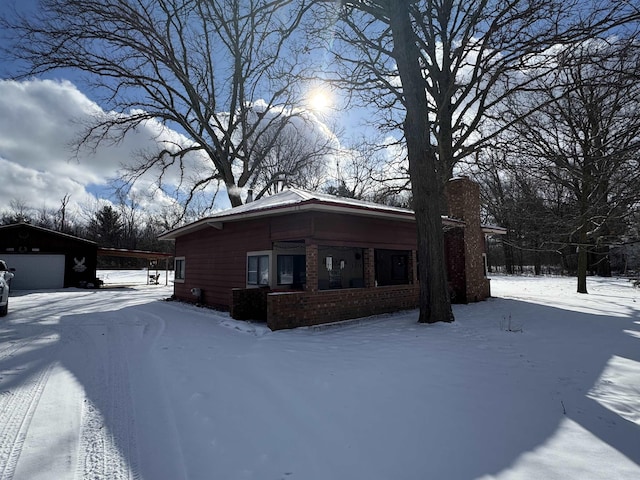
[[320, 100]]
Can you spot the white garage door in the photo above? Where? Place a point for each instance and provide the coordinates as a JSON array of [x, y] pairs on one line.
[[34, 272]]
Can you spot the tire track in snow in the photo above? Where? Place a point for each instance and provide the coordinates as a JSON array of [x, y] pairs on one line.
[[18, 405], [107, 439], [161, 453], [132, 401]]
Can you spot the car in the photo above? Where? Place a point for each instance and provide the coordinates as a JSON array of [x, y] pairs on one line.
[[6, 274]]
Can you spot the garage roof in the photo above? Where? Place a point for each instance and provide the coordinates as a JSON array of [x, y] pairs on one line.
[[28, 226]]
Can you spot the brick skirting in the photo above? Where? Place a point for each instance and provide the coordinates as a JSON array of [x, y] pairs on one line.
[[249, 303], [299, 309]]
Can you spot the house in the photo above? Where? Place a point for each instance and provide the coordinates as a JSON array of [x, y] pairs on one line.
[[45, 258], [299, 258]]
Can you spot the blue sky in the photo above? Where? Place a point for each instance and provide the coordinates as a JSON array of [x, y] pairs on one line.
[[40, 118]]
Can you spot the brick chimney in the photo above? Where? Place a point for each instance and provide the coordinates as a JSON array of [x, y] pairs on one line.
[[463, 195]]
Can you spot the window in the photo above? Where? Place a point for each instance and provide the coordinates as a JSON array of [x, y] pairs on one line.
[[258, 269], [340, 267], [179, 269], [392, 267], [292, 270]]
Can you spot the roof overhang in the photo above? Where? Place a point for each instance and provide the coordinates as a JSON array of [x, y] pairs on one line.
[[493, 230], [48, 231], [125, 253], [218, 221]]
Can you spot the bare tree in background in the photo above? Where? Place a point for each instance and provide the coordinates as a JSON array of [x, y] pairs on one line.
[[531, 210], [220, 72], [585, 138], [298, 157], [373, 170], [61, 215], [471, 55], [18, 211]]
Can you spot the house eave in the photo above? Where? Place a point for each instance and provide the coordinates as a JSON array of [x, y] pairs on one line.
[[307, 206], [493, 230]]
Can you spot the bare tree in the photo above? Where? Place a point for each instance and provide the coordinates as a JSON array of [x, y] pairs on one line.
[[19, 211], [471, 54], [371, 169], [438, 69], [61, 216], [220, 72], [531, 210], [395, 41], [297, 156], [586, 138], [131, 219]]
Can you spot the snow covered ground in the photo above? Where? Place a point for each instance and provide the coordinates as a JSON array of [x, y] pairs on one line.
[[119, 384]]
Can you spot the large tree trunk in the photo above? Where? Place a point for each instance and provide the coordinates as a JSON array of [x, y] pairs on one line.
[[435, 304], [234, 194]]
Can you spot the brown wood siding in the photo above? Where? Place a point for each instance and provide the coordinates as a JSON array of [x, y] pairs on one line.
[[349, 230], [215, 260], [294, 226]]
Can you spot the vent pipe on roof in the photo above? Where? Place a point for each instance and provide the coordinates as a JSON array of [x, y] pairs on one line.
[[249, 196]]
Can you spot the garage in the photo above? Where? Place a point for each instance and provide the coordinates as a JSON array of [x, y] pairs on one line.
[[34, 272], [47, 259]]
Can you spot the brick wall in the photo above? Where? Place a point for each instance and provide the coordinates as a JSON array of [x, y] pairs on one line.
[[312, 267], [464, 203], [249, 303], [298, 309], [369, 259]]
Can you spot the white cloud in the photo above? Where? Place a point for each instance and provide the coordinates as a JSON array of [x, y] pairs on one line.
[[39, 122]]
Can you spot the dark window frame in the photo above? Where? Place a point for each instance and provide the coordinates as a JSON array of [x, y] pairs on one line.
[[179, 269]]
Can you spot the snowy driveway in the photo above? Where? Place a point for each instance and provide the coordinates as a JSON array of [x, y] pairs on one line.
[[117, 384], [67, 363]]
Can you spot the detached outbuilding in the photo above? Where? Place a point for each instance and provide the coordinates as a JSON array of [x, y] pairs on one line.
[[299, 258], [46, 259]]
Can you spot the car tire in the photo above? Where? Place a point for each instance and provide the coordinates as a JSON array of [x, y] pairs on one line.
[[4, 310]]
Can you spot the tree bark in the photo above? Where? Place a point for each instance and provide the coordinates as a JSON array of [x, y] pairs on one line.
[[435, 304]]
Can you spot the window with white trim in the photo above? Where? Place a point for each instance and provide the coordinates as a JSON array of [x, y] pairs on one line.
[[258, 269]]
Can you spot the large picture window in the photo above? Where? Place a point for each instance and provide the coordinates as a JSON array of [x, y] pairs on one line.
[[179, 269], [258, 269], [340, 267]]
